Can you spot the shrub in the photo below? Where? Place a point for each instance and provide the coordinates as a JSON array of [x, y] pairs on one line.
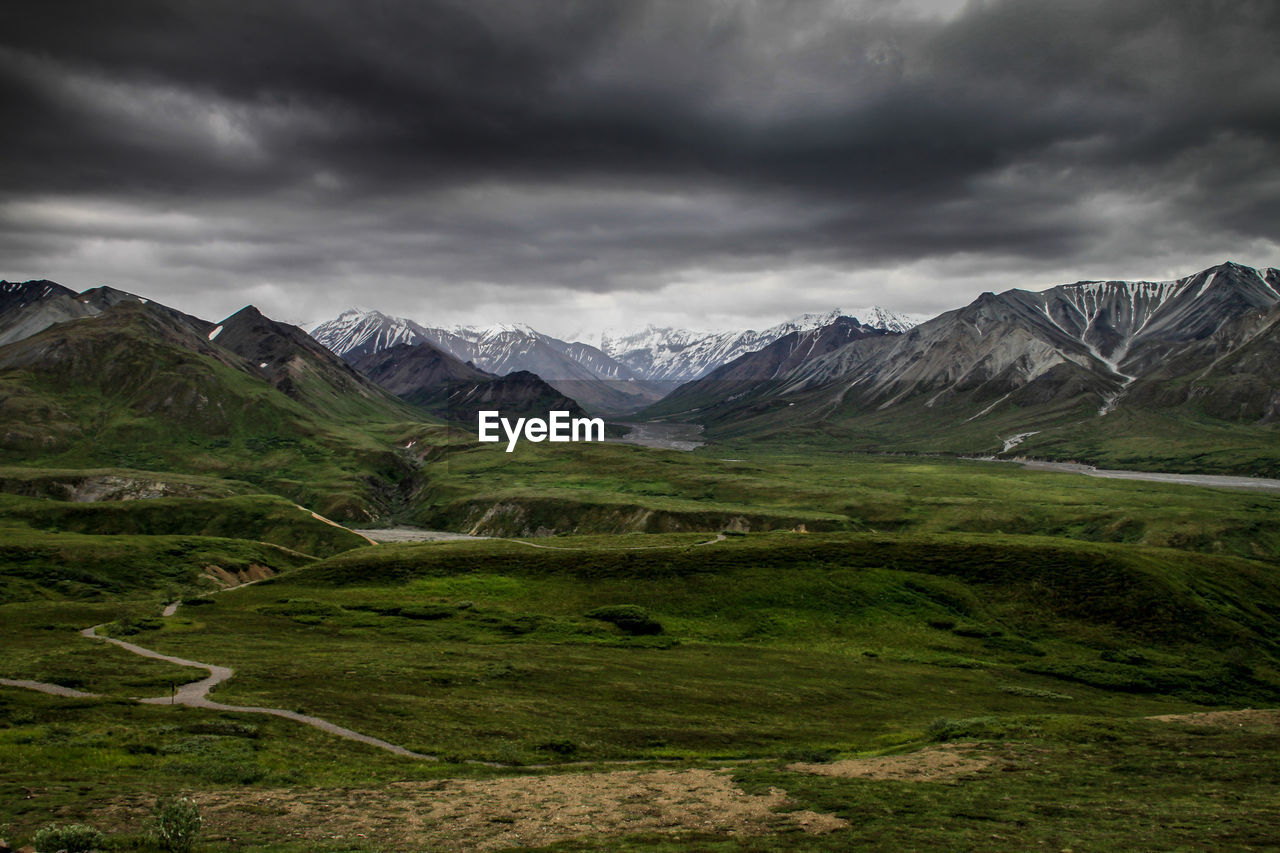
[[1032, 692], [304, 611], [71, 837], [127, 626], [628, 618], [811, 755], [426, 611], [175, 823], [1133, 657], [980, 728], [559, 747], [230, 771], [977, 631], [1017, 645]]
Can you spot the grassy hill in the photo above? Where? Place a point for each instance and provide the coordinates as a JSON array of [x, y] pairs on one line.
[[132, 389], [726, 617], [1038, 656]]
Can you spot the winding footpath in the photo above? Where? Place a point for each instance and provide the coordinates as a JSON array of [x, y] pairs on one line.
[[196, 693], [43, 687]]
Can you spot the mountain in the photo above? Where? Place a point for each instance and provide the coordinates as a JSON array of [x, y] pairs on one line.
[[579, 371], [425, 376], [1096, 358], [758, 371], [19, 294], [31, 306], [676, 356], [620, 375], [356, 332], [138, 385], [297, 365]]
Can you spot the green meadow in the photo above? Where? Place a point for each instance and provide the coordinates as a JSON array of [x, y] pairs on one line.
[[732, 609]]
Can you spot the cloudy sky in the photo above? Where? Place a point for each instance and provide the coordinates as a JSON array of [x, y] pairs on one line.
[[616, 162]]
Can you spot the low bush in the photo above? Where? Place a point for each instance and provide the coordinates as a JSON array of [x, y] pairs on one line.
[[1017, 645], [560, 747], [175, 823], [304, 611], [1032, 692], [629, 618], [811, 755], [71, 837], [980, 632]]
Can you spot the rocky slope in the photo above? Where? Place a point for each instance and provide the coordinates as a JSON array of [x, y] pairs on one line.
[[682, 355], [423, 375], [576, 370], [1207, 341]]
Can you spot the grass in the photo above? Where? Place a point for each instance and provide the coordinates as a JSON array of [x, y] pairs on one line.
[[39, 564], [592, 488], [1143, 434], [930, 599], [258, 518], [125, 391]]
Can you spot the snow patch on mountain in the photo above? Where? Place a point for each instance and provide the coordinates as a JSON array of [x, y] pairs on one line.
[[680, 355]]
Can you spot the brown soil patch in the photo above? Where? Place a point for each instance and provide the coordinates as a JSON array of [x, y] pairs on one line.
[[318, 517], [1265, 718], [225, 578], [523, 811], [932, 764]]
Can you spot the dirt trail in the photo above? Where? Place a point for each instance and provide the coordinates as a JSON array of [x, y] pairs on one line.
[[196, 695], [43, 687], [318, 517]]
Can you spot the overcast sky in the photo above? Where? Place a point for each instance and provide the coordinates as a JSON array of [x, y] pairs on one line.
[[615, 162]]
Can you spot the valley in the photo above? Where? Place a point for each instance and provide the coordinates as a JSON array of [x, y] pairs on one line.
[[795, 621]]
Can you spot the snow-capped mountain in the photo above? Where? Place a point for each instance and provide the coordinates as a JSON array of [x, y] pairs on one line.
[[577, 370], [641, 366], [1205, 341], [358, 331], [681, 355]]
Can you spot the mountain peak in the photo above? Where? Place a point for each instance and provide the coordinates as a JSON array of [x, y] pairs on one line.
[[248, 312]]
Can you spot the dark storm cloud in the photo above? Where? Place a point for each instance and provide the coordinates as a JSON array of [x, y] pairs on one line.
[[608, 146]]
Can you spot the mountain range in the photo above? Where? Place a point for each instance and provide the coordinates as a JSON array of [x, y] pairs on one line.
[[578, 371], [682, 355], [1076, 360], [616, 374], [107, 379], [425, 376], [1174, 375]]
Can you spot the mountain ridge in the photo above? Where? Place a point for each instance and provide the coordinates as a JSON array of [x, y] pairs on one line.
[[578, 371], [1032, 363]]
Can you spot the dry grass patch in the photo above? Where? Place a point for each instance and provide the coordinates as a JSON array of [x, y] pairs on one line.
[[497, 813], [932, 764], [1268, 718]]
